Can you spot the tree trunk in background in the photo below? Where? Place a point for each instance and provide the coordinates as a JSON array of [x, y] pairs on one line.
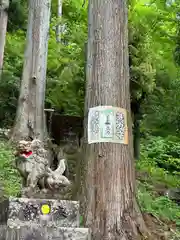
[[136, 111], [30, 114], [4, 5], [58, 27], [110, 206], [136, 139], [77, 191]]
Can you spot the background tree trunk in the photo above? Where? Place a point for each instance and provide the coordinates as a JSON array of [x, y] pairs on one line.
[[136, 111], [136, 139], [110, 209], [59, 14], [4, 5], [30, 113]]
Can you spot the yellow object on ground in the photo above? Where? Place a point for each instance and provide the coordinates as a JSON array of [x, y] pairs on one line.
[[45, 209]]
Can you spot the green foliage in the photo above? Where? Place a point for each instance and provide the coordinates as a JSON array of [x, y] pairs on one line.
[[65, 83], [17, 13], [160, 207], [153, 180], [14, 52], [8, 175], [10, 78], [155, 175], [81, 221], [65, 72], [151, 44], [165, 153], [9, 86], [162, 108]]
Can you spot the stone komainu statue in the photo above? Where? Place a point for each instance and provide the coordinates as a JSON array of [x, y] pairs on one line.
[[23, 160], [33, 165]]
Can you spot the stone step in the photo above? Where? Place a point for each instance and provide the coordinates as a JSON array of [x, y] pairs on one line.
[[44, 233], [63, 213]]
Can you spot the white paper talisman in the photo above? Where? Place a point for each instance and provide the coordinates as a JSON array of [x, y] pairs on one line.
[[107, 124]]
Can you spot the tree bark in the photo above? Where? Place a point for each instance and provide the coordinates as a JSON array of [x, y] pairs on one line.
[[110, 206], [30, 113], [4, 5]]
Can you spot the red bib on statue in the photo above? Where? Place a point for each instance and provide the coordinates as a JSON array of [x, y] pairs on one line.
[[26, 154]]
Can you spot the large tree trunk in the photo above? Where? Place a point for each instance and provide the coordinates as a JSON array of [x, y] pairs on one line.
[[110, 209], [4, 5], [30, 114]]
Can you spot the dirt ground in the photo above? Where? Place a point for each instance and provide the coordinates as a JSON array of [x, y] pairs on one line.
[[160, 229]]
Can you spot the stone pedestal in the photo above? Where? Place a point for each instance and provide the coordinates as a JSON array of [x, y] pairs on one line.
[[23, 219], [63, 213], [44, 233]]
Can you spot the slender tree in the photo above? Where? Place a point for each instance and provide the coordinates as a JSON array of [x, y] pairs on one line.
[[4, 5], [59, 14], [30, 120], [110, 206]]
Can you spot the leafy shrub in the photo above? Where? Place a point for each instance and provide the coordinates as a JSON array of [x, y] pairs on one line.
[[156, 175], [8, 175], [160, 207], [158, 157], [9, 85], [164, 152]]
